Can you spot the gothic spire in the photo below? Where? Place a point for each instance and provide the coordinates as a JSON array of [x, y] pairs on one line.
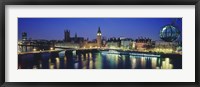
[[99, 31]]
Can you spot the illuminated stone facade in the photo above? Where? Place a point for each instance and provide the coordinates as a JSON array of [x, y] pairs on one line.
[[99, 38], [143, 44], [94, 44]]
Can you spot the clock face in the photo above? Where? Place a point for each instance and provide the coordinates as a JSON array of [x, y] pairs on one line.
[[99, 34]]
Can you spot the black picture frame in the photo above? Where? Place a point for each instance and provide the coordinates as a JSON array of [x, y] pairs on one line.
[[98, 2]]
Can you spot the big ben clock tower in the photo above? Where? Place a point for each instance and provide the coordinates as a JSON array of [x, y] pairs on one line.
[[99, 37]]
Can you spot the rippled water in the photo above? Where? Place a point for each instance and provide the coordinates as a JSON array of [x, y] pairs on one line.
[[97, 60]]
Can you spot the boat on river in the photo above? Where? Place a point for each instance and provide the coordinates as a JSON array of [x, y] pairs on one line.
[[128, 53]]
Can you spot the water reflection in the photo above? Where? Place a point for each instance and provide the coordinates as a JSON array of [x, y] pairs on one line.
[[96, 60]]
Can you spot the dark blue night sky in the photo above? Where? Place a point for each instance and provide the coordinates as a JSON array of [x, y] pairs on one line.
[[53, 28]]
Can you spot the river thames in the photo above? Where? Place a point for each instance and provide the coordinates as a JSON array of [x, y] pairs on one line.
[[98, 60]]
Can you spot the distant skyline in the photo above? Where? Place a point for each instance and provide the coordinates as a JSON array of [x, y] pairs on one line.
[[53, 28]]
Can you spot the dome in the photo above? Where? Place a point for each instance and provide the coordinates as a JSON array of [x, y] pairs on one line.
[[169, 33]]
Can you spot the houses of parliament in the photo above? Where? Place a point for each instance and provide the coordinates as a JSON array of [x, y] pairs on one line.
[[81, 42]]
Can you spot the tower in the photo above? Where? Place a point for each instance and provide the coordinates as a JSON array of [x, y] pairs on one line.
[[67, 36], [75, 38], [24, 36], [75, 35], [99, 37]]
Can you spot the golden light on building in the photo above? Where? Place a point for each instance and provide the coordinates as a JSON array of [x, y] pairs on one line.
[[34, 49], [51, 48]]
